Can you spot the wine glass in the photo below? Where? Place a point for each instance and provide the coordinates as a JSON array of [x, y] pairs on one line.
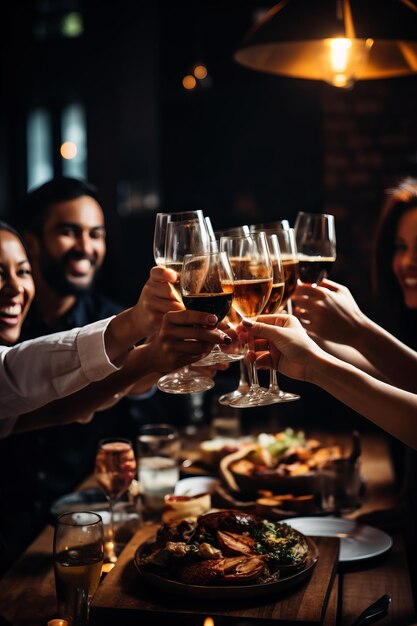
[[207, 285], [115, 469], [252, 270], [274, 394], [159, 236], [316, 245], [78, 559], [183, 238], [275, 225], [290, 263]]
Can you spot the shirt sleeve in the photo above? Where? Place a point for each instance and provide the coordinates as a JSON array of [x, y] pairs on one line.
[[36, 372]]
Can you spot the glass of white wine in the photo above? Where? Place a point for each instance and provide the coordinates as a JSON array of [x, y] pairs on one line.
[[253, 279], [182, 238], [78, 559]]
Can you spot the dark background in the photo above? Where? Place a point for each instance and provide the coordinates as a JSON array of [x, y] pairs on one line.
[[244, 146]]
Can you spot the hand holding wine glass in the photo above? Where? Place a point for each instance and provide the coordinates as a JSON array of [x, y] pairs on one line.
[[316, 244], [206, 285], [115, 468], [252, 271]]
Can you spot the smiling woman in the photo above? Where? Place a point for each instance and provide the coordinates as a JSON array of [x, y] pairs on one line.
[[17, 288]]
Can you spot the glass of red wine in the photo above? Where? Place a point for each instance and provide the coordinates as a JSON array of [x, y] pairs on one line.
[[316, 245], [206, 285], [115, 468]]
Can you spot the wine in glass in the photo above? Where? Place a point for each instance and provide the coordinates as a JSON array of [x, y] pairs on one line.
[[316, 245], [78, 559], [186, 237], [115, 469], [253, 277], [207, 285], [274, 394]]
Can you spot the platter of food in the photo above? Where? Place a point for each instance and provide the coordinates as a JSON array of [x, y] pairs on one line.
[[318, 477], [226, 555]]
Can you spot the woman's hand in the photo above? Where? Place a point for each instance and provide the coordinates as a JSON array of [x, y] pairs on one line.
[[328, 312], [291, 351], [184, 337]]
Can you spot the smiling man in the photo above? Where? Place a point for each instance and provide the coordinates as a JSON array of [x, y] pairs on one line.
[[63, 224]]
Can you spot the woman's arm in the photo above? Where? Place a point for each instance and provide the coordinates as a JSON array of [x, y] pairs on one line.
[[181, 340], [296, 355]]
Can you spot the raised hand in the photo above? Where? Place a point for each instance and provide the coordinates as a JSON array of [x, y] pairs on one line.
[[290, 348], [157, 298], [328, 312]]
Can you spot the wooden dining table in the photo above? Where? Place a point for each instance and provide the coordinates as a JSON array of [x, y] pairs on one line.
[[27, 590]]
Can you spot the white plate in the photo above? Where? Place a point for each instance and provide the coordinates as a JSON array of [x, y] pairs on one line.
[[357, 541]]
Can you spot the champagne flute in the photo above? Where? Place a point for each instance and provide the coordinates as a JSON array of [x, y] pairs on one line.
[[115, 469], [252, 270], [183, 238], [316, 244], [78, 559]]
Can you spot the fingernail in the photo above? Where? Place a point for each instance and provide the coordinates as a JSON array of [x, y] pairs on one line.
[[211, 319], [247, 323], [227, 340]]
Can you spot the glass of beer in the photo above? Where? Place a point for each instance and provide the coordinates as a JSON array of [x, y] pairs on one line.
[[78, 558]]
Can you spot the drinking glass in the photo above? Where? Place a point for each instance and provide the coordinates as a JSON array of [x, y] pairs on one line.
[[290, 264], [159, 236], [78, 559], [252, 270], [316, 245], [186, 237], [158, 448], [275, 225], [206, 285], [115, 468]]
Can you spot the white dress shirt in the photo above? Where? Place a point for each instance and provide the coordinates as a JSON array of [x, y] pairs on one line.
[[36, 372]]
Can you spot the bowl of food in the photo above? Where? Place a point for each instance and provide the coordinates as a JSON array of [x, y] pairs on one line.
[[289, 464], [225, 555]]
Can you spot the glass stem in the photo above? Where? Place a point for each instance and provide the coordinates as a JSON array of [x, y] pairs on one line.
[[243, 381], [111, 553], [273, 382]]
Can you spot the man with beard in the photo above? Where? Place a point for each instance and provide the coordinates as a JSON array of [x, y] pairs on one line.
[[63, 225]]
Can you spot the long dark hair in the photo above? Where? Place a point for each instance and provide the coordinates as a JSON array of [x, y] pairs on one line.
[[399, 319]]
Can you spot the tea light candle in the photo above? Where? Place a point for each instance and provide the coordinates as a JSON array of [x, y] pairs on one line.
[[58, 622]]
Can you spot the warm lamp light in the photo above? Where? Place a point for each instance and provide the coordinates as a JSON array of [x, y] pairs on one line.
[[338, 41]]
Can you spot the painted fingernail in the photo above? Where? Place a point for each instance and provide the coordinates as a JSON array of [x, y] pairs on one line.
[[247, 323], [211, 319], [227, 340]]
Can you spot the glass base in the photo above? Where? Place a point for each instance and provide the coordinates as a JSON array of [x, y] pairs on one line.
[[262, 397], [178, 383], [227, 398], [216, 357]]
